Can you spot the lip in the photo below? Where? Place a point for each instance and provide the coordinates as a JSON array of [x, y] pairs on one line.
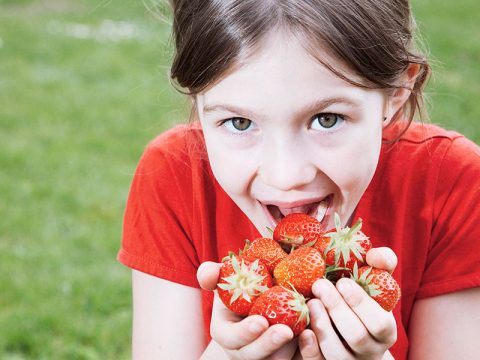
[[294, 204]]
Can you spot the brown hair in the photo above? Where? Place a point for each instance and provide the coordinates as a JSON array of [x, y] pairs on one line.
[[373, 37]]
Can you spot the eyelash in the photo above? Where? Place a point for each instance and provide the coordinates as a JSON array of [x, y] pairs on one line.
[[339, 120], [234, 131], [237, 132]]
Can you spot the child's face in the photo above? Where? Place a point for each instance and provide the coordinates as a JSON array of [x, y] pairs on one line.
[[284, 134]]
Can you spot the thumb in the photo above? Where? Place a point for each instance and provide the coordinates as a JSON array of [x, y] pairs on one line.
[[382, 258], [207, 275]]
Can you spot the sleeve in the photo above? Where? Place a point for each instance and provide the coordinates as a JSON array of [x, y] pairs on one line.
[[453, 260], [157, 222]]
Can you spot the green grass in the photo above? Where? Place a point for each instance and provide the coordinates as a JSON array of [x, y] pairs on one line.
[[452, 32], [75, 114], [77, 107]]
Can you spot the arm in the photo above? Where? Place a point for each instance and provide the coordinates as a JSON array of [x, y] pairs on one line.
[[446, 326], [167, 320], [242, 338], [168, 324]]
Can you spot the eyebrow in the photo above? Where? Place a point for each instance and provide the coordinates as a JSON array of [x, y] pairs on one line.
[[315, 106]]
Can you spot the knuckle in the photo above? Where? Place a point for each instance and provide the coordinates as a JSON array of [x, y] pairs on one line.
[[359, 340], [356, 298], [385, 330], [331, 300], [225, 342], [245, 356]]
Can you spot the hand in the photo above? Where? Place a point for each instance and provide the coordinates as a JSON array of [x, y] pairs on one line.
[[345, 322], [244, 338]]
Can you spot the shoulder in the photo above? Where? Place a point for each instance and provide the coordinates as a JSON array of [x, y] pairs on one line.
[[428, 145], [179, 141], [175, 162], [178, 150], [418, 132]]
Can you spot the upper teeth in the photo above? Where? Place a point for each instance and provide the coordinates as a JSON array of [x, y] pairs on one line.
[[321, 210]]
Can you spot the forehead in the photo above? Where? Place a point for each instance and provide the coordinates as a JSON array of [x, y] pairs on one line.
[[280, 69]]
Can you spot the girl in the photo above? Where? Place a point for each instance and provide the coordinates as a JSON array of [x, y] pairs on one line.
[[304, 106]]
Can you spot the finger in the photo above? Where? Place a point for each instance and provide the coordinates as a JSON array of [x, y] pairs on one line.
[[207, 275], [379, 323], [232, 331], [287, 351], [269, 343], [345, 319], [309, 347], [382, 258], [330, 344]]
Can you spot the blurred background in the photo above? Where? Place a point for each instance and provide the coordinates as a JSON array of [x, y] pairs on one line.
[[83, 88]]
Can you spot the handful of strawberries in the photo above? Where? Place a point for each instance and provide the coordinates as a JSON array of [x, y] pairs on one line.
[[274, 277]]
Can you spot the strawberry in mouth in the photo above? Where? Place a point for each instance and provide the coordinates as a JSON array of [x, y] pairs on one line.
[[317, 210]]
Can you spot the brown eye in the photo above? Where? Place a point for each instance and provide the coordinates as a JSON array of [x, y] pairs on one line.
[[241, 124], [325, 121]]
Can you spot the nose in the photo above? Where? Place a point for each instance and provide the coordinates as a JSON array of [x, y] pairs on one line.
[[286, 165]]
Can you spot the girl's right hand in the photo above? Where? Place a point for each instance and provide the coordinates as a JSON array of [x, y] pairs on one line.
[[244, 338]]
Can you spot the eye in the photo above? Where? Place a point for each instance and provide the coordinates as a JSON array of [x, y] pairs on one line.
[[237, 124], [326, 121]]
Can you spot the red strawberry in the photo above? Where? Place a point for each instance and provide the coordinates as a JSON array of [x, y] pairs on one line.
[[322, 243], [348, 246], [300, 269], [282, 306], [264, 249], [297, 229], [379, 284], [241, 281]]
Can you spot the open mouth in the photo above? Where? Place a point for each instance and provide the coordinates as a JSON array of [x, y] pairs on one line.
[[318, 210]]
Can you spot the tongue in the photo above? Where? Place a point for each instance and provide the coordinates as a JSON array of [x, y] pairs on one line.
[[299, 209], [316, 210]]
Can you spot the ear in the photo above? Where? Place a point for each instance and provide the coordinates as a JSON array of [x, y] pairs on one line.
[[396, 101]]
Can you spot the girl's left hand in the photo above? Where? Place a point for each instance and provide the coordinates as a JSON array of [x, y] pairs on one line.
[[345, 322]]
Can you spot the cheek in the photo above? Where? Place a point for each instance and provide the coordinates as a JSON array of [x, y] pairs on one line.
[[365, 159], [232, 169], [353, 166]]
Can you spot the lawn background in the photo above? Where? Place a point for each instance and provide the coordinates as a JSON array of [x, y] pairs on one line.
[[83, 88]]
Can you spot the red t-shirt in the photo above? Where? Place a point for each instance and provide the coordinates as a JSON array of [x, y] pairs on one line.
[[422, 203]]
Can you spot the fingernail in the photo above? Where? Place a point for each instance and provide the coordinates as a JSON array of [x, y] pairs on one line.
[[389, 260], [344, 286], [316, 308], [320, 288], [255, 327], [307, 340]]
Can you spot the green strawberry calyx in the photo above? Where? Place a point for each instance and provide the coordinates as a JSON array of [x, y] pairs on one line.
[[365, 281], [245, 282], [299, 304], [346, 240]]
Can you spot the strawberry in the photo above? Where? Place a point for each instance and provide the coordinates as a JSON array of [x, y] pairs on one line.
[[241, 282], [280, 305], [300, 269], [297, 229], [264, 249], [379, 284], [322, 243], [348, 246]]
